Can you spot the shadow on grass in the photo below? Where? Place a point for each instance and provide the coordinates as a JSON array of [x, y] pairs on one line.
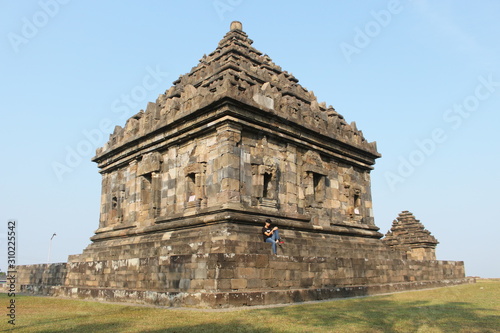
[[233, 326], [85, 328], [67, 325], [380, 314], [385, 315]]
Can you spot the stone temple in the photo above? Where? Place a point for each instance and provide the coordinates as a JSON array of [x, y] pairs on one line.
[[188, 183]]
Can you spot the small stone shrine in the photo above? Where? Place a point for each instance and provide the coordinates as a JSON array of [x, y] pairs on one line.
[[188, 183], [409, 235]]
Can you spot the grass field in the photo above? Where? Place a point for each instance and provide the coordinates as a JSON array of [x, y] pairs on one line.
[[465, 308]]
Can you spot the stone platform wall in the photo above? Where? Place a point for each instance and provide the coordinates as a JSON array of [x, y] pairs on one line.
[[41, 278], [227, 264]]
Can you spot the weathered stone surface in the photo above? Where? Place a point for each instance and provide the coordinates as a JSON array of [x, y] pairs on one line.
[[188, 183], [174, 266], [408, 234]]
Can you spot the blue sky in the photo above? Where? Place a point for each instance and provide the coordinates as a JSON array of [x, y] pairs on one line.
[[422, 78]]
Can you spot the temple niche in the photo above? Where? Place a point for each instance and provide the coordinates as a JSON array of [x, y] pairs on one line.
[[188, 183]]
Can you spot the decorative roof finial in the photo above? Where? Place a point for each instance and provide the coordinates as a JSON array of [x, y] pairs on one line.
[[236, 25]]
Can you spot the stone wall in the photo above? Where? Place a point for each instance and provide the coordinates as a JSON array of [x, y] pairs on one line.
[[207, 266], [233, 166], [283, 176], [41, 278]]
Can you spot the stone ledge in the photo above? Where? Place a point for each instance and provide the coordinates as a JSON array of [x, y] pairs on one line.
[[217, 215], [234, 299]]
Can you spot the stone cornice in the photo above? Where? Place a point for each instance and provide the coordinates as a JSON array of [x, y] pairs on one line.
[[213, 215], [228, 109]]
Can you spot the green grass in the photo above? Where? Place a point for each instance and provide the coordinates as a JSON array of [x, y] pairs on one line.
[[465, 308]]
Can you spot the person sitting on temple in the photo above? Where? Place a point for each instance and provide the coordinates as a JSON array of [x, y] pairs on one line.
[[271, 235]]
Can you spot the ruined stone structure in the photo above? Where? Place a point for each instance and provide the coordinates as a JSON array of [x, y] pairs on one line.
[[409, 235], [188, 183]]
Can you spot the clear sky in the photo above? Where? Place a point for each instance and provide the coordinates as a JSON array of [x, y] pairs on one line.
[[422, 78]]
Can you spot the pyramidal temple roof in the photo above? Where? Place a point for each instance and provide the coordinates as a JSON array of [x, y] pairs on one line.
[[408, 231], [238, 71]]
